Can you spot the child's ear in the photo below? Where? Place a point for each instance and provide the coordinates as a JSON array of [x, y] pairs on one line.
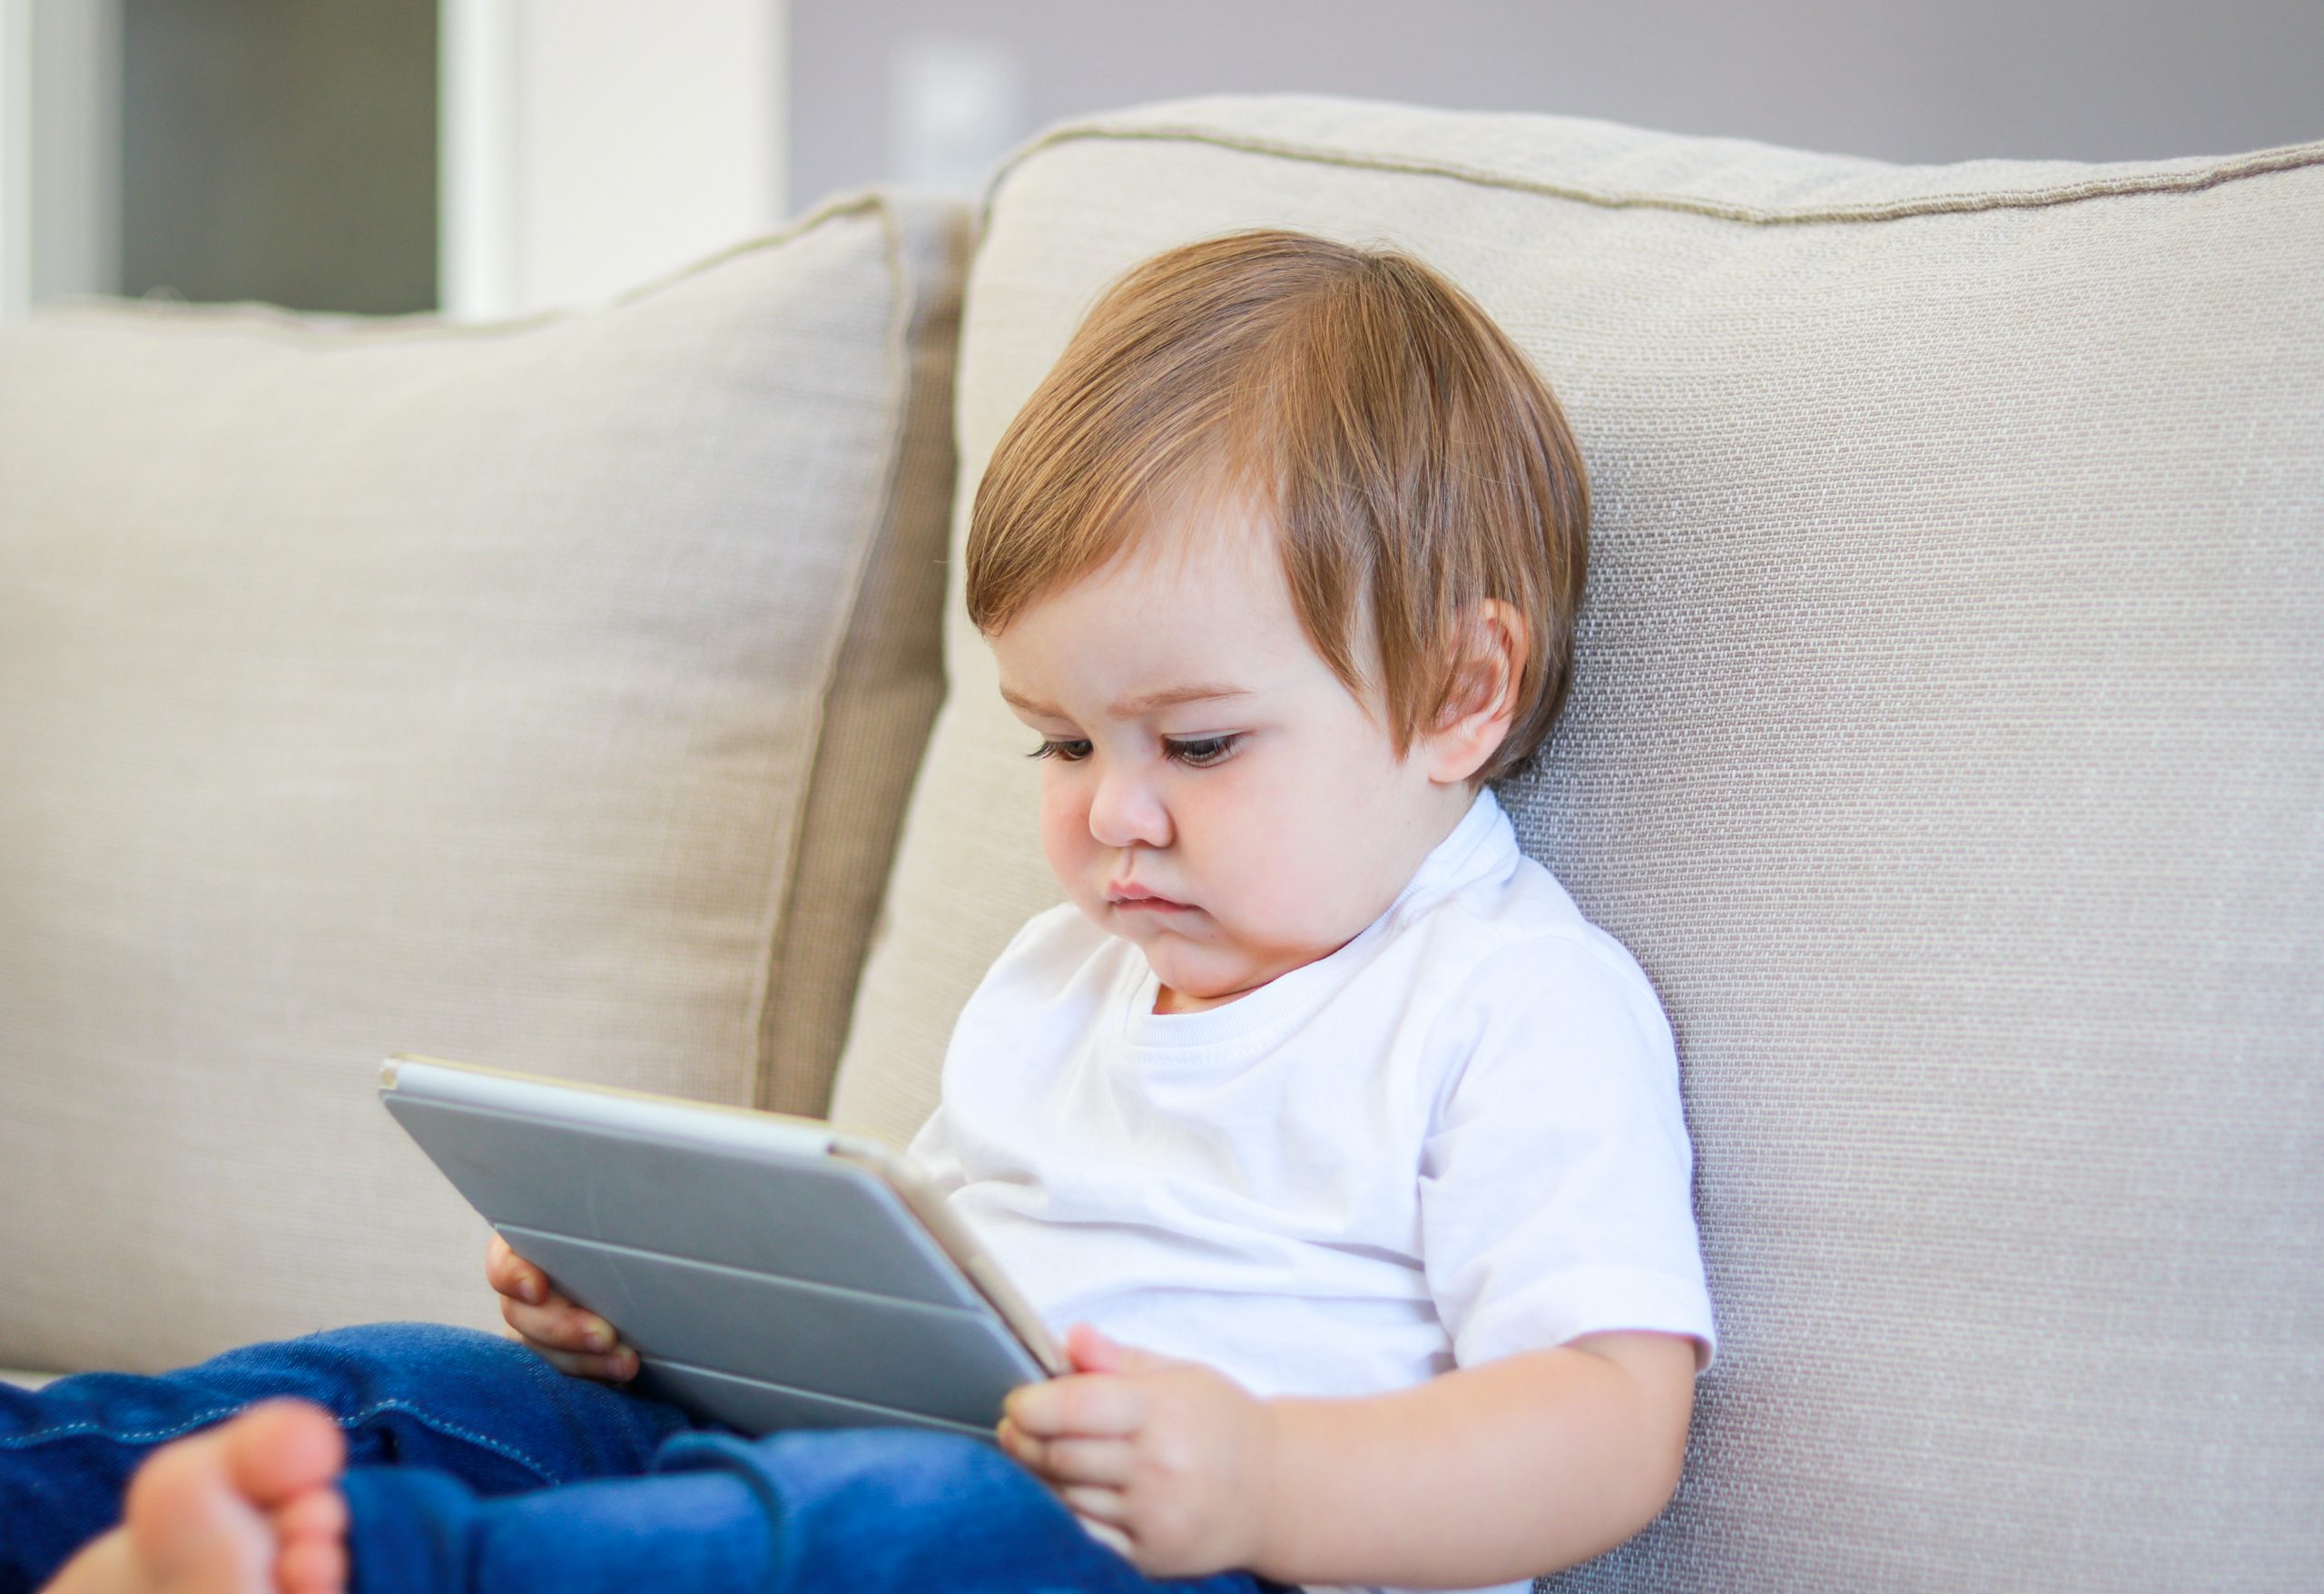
[[1484, 702]]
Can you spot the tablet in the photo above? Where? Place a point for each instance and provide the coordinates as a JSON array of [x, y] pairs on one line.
[[771, 1271]]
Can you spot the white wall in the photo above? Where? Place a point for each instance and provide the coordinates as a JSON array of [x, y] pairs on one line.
[[590, 145]]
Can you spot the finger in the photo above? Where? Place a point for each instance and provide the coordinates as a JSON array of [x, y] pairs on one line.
[[512, 1275], [1103, 1505], [1081, 1461], [1090, 1351], [561, 1323], [1086, 1404], [1112, 1538], [617, 1366], [497, 1257], [1019, 1445]]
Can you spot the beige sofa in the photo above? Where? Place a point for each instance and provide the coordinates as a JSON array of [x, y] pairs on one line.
[[1949, 746]]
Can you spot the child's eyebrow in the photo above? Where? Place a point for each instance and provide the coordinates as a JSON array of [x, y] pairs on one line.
[[1131, 707]]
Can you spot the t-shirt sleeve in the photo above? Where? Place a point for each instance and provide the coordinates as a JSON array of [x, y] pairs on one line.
[[932, 1148], [1556, 1190]]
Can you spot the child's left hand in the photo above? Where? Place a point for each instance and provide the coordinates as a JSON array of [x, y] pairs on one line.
[[1167, 1462]]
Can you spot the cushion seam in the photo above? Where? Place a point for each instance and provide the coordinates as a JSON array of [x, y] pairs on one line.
[[2235, 169]]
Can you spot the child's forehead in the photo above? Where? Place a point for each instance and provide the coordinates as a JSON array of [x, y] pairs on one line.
[[1178, 592], [1210, 620], [1207, 535]]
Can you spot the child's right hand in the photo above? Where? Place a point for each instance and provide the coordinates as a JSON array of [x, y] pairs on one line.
[[575, 1340]]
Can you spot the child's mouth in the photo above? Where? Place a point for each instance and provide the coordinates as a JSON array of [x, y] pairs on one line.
[[1133, 897]]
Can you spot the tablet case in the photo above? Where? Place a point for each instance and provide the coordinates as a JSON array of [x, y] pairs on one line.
[[762, 1286]]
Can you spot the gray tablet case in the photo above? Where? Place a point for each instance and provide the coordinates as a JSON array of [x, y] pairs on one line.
[[771, 1271]]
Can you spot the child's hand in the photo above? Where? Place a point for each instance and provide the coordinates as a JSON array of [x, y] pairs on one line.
[[576, 1341], [1168, 1462]]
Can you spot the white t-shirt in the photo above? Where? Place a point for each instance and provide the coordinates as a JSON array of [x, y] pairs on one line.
[[1457, 1138]]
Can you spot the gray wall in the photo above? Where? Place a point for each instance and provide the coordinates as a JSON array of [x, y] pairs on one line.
[[1900, 80]]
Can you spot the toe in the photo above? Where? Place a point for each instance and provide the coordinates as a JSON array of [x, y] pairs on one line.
[[319, 1513], [311, 1566], [279, 1449]]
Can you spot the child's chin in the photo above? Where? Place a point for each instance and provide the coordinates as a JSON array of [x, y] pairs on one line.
[[1200, 980]]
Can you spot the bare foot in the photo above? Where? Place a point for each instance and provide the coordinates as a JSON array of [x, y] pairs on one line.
[[250, 1506]]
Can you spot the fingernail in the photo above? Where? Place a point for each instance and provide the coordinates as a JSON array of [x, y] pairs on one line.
[[599, 1336], [528, 1290]]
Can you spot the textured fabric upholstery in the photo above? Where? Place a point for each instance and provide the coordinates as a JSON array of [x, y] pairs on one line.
[[542, 695], [1949, 745]]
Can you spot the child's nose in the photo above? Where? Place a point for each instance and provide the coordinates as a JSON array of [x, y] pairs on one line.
[[1126, 811]]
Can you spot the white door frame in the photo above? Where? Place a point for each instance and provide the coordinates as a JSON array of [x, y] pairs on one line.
[[60, 149], [475, 157], [15, 158]]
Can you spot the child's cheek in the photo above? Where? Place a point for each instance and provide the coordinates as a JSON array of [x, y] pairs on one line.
[[1065, 829]]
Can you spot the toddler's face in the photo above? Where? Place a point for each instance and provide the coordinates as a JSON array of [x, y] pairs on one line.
[[1209, 789]]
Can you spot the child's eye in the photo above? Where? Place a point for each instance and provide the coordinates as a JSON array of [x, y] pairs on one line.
[[1203, 751], [1067, 749]]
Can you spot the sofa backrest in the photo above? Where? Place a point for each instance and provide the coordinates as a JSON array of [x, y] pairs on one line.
[[1948, 745], [542, 695]]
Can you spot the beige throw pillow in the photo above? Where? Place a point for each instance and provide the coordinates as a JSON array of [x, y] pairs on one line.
[[541, 695]]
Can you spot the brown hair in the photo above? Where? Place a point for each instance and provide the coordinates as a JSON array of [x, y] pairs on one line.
[[1413, 460]]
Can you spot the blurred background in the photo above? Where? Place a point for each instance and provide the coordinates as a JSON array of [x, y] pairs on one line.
[[493, 157]]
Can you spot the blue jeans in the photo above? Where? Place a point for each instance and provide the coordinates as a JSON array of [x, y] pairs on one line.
[[473, 1464]]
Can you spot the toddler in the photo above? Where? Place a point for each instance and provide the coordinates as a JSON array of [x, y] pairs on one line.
[[1351, 1154]]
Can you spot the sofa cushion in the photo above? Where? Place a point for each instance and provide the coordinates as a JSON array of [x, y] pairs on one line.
[[1948, 744], [542, 695]]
